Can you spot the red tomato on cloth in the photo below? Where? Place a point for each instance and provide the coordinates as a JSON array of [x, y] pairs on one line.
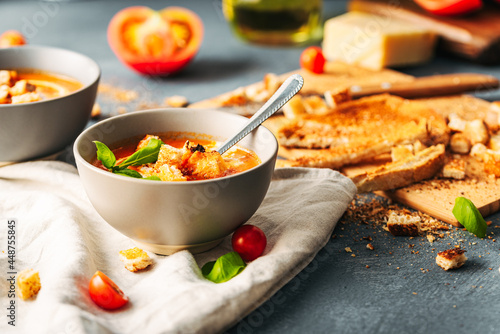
[[105, 293], [450, 7], [155, 42], [249, 241]]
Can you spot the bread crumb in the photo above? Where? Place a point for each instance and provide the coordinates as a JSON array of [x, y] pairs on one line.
[[402, 224], [370, 246], [135, 259], [176, 101], [28, 282], [454, 169], [96, 110], [348, 249], [431, 238], [451, 258]]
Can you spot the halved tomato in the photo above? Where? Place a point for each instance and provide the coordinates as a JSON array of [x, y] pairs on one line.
[[155, 42], [11, 38], [450, 7], [105, 293]]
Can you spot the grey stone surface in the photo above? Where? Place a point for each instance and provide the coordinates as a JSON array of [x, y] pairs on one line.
[[336, 293]]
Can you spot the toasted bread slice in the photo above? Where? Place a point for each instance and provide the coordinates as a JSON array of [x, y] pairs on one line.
[[423, 165], [356, 131]]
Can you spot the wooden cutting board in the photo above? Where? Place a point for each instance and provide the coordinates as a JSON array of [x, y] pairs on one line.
[[435, 197], [475, 36]]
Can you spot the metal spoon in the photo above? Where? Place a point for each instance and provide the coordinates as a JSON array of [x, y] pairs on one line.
[[287, 90]]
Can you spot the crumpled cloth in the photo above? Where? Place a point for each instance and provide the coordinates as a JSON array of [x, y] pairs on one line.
[[59, 234]]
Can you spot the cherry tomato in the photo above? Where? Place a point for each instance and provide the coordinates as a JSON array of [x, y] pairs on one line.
[[312, 59], [155, 42], [450, 7], [105, 293], [11, 38], [249, 241]]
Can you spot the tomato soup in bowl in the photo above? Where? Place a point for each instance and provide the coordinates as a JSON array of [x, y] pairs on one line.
[[166, 216]]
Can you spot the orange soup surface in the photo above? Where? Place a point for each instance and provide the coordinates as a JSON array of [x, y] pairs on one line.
[[185, 159], [23, 86]]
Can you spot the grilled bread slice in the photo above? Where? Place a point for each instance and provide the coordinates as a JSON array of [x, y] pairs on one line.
[[423, 165], [357, 131]]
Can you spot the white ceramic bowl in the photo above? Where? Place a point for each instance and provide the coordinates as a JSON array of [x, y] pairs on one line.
[[39, 129], [165, 217]]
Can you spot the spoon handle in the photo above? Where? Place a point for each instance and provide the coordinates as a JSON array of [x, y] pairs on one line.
[[287, 90]]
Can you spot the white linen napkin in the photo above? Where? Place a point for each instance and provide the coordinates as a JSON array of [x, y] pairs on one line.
[[59, 234]]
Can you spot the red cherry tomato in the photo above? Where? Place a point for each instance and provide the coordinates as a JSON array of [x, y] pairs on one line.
[[249, 241], [155, 42], [312, 59], [450, 7], [11, 38], [105, 293]]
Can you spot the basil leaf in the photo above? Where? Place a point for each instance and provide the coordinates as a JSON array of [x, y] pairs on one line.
[[145, 155], [226, 267], [127, 172], [105, 155], [469, 216], [152, 177]]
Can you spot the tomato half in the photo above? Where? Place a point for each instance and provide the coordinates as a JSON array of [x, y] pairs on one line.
[[11, 38], [105, 293], [450, 7], [249, 241], [155, 42], [312, 59]]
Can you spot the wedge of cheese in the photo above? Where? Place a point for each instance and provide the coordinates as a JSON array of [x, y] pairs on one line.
[[375, 42]]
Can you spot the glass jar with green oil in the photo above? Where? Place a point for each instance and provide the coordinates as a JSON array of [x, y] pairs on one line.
[[274, 22]]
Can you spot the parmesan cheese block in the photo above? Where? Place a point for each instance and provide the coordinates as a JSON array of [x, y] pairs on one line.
[[375, 42]]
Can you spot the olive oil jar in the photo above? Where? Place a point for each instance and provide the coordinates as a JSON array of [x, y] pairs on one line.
[[274, 22]]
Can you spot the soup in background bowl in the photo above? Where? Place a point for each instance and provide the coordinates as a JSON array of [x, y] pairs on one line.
[[167, 216], [42, 128]]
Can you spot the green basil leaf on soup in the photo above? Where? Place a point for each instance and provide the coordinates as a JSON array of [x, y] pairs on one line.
[[105, 155], [225, 268], [145, 155], [469, 216], [128, 172], [152, 177]]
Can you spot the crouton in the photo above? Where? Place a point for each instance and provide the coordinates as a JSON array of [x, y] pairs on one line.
[[456, 123], [205, 165], [476, 132], [294, 107], [271, 83], [135, 259], [492, 163], [478, 151], [334, 98], [451, 258], [96, 110], [454, 169], [22, 87], [25, 98], [459, 143], [176, 101], [494, 142], [403, 224], [28, 283]]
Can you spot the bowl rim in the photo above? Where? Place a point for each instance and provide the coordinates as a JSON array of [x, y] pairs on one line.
[[79, 158], [41, 47]]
